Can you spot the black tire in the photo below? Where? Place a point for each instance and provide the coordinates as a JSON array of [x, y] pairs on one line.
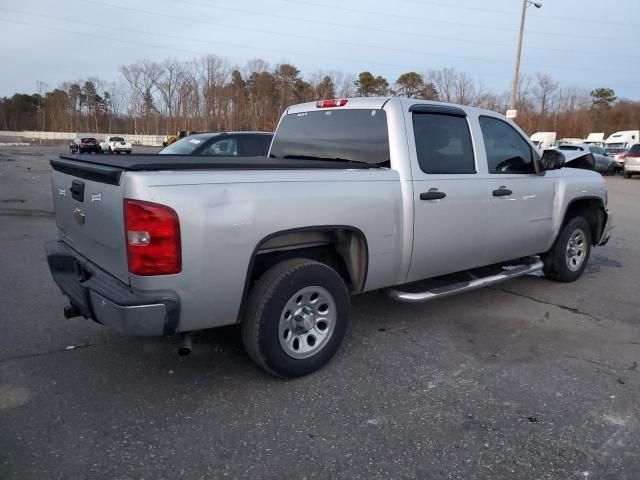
[[627, 175], [557, 261], [266, 305]]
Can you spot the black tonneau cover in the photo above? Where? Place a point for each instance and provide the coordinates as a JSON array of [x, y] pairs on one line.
[[109, 168]]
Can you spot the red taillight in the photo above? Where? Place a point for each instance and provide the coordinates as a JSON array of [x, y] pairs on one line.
[[331, 103], [153, 238], [632, 155]]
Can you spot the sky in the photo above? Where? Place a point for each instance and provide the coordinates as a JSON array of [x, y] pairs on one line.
[[586, 43]]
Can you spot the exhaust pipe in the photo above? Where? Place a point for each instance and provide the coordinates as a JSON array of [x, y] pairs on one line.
[[185, 345], [71, 311]]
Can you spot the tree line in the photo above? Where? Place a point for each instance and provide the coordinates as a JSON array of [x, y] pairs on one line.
[[207, 93]]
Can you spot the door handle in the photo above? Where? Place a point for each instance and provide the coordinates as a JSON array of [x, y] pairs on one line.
[[435, 195], [502, 192]]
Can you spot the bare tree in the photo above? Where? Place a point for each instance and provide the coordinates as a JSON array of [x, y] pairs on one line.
[[545, 86]]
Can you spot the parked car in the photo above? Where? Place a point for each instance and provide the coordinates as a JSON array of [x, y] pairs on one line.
[[115, 145], [355, 195], [632, 161], [84, 144], [619, 154], [604, 163], [222, 144]]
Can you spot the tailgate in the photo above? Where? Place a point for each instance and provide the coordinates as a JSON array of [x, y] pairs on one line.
[[88, 202]]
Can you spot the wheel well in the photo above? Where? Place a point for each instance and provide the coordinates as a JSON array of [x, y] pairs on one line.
[[592, 209], [342, 248]]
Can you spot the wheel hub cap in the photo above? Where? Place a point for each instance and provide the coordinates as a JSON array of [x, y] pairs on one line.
[[304, 320], [307, 322], [576, 250]]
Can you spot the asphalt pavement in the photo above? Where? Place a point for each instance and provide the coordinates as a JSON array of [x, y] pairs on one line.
[[525, 380]]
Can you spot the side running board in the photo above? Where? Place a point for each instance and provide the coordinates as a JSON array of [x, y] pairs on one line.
[[506, 273]]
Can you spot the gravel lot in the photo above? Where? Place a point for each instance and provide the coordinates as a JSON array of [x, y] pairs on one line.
[[529, 379]]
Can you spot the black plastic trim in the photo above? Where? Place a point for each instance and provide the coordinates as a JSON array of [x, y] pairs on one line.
[[109, 169], [602, 207], [437, 109], [77, 277], [88, 170], [432, 195]]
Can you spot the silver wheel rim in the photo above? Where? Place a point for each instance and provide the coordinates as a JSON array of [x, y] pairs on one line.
[[307, 322], [576, 250]]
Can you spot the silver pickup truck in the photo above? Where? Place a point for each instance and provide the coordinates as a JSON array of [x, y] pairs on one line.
[[415, 198]]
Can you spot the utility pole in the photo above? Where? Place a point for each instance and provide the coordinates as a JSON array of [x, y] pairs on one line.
[[516, 73]]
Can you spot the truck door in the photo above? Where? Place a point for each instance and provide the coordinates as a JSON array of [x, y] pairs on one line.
[[520, 201], [450, 204]]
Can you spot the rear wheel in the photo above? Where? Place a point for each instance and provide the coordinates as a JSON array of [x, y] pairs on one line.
[[296, 317], [627, 175], [569, 255]]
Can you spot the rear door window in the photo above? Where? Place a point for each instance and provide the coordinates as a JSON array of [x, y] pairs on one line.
[[358, 135], [443, 144], [249, 146], [507, 151], [635, 148]]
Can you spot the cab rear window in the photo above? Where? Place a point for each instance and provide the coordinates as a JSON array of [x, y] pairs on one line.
[[357, 135]]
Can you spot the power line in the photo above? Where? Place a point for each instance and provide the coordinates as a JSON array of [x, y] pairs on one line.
[[191, 20], [248, 47], [506, 12], [197, 40], [426, 19], [181, 50]]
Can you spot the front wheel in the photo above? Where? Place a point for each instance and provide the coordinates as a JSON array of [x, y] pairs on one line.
[[569, 255], [296, 317]]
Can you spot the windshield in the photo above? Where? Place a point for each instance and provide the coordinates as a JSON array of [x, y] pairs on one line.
[[88, 140], [185, 146], [356, 135], [117, 139], [615, 146]]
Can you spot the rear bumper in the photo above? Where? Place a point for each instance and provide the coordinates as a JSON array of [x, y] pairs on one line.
[[606, 230], [635, 167], [97, 295]]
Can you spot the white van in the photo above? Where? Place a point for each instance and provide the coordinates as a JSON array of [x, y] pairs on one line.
[[543, 140], [618, 144], [595, 139], [623, 139]]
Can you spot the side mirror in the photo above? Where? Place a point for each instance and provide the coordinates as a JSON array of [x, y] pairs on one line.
[[552, 160]]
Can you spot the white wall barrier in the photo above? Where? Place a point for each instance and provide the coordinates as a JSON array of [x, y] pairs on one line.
[[27, 135]]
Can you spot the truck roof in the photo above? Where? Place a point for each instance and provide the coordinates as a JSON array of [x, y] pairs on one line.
[[379, 102]]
